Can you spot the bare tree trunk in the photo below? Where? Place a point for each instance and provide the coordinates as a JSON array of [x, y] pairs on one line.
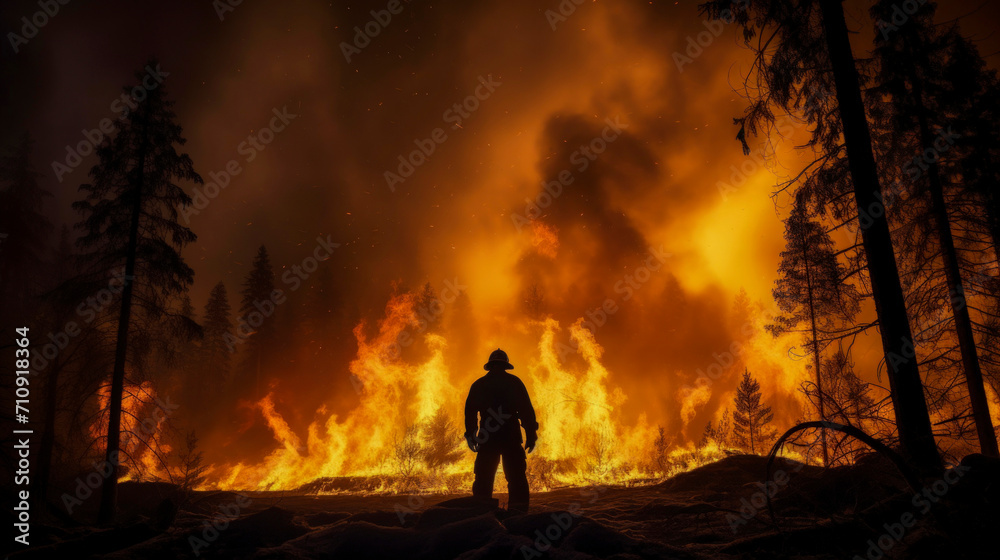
[[956, 289], [109, 488], [815, 345], [912, 420], [963, 327]]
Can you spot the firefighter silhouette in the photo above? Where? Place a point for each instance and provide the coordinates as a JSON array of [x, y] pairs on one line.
[[503, 407]]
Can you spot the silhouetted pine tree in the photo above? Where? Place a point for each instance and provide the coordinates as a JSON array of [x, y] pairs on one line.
[[204, 370], [974, 107], [191, 469], [976, 90], [751, 417], [533, 301], [423, 298], [913, 58], [850, 397], [174, 340], [660, 447], [707, 435], [811, 291], [130, 213], [254, 304], [848, 401], [723, 432], [186, 307], [218, 322], [803, 50]]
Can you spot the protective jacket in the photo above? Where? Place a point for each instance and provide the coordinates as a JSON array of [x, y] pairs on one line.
[[501, 401]]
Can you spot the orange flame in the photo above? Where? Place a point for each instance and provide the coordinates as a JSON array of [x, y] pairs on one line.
[[140, 442], [402, 415]]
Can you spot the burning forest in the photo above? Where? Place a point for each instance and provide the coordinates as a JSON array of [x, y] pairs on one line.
[[707, 279]]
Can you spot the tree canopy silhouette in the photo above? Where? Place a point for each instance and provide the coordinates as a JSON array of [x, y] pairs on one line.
[[802, 50], [751, 417], [255, 310], [130, 222], [811, 290]]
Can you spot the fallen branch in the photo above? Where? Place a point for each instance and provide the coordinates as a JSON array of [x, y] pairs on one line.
[[904, 469]]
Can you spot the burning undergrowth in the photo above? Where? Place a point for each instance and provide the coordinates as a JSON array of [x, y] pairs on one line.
[[404, 435]]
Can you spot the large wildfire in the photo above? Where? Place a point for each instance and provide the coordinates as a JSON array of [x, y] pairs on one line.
[[402, 409], [258, 259], [405, 434], [594, 217]]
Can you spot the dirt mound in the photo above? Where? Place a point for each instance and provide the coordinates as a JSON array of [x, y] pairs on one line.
[[723, 475]]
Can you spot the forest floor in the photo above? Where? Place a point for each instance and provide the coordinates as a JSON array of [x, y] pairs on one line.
[[716, 511]]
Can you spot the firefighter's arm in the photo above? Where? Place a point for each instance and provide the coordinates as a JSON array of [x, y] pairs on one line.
[[471, 422], [526, 413]]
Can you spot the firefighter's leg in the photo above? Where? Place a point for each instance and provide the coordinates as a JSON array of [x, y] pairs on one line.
[[487, 461], [515, 469]]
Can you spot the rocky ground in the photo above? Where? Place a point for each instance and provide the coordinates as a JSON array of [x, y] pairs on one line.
[[717, 511]]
